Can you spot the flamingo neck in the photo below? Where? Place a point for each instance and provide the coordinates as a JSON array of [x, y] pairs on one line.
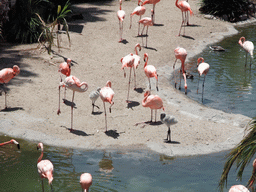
[[145, 99], [85, 86], [136, 52], [5, 143], [120, 4], [200, 60], [146, 61], [41, 156], [241, 40], [176, 3]]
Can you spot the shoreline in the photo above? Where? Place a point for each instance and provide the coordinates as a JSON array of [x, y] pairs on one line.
[[28, 126]]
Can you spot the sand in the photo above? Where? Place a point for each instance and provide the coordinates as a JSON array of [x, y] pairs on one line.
[[95, 53]]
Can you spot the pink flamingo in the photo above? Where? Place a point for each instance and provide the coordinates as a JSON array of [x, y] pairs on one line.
[[44, 167], [248, 48], [120, 16], [73, 83], [154, 102], [238, 188], [146, 21], [203, 69], [139, 10], [128, 61], [136, 61], [65, 69], [85, 181], [150, 71], [6, 75], [154, 2], [106, 95], [184, 7], [252, 179], [12, 141], [181, 54]]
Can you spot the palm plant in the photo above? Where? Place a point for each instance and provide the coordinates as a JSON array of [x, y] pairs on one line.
[[46, 38], [242, 154]]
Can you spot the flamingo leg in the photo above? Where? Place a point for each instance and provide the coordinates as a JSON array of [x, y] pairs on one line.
[[72, 107], [139, 27], [182, 24], [169, 134], [52, 188], [180, 80], [157, 83], [105, 116], [198, 84], [147, 37], [153, 19], [246, 59], [93, 106], [58, 112], [203, 89], [42, 184], [151, 115], [149, 83], [134, 78], [175, 80], [129, 85], [5, 96], [155, 115]]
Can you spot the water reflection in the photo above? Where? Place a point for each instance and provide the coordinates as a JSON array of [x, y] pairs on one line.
[[113, 170], [229, 86]]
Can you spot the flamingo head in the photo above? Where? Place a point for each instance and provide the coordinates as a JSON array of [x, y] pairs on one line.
[[138, 45], [200, 59], [241, 40], [40, 146], [108, 84], [16, 69], [69, 61], [145, 56], [16, 143], [147, 93]]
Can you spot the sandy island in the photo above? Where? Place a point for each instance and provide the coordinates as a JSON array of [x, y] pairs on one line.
[[96, 53]]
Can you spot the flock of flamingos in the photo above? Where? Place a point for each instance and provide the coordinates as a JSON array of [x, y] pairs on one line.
[[154, 102]]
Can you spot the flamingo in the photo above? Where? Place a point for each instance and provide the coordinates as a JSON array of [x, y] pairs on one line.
[[94, 95], [128, 61], [120, 16], [154, 2], [139, 10], [252, 179], [44, 167], [154, 102], [136, 61], [168, 120], [12, 141], [106, 95], [150, 71], [248, 47], [238, 188], [184, 7], [85, 181], [6, 75], [146, 21], [202, 68], [181, 54], [65, 69], [73, 83]]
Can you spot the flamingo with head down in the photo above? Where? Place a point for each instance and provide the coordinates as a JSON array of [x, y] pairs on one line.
[[75, 85], [154, 2], [12, 141]]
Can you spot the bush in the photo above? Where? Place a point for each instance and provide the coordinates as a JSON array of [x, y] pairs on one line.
[[232, 9]]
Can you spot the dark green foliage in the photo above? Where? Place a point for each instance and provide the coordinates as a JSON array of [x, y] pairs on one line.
[[242, 154], [232, 9]]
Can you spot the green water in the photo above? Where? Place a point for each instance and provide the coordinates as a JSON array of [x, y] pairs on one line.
[[118, 171]]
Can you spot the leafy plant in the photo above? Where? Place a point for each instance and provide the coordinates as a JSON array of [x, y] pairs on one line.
[[49, 32], [241, 154], [230, 8]]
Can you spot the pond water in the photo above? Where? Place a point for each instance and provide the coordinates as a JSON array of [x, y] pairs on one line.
[[133, 171], [229, 86]]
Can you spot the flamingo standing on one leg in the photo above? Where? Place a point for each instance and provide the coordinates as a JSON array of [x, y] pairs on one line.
[[154, 2], [74, 84], [238, 188], [202, 68], [181, 54], [85, 181], [44, 167], [120, 16], [139, 10], [94, 95], [12, 141], [6, 75], [248, 47], [65, 69], [168, 120], [107, 94], [154, 102], [128, 61], [146, 21], [184, 7], [150, 71], [136, 62]]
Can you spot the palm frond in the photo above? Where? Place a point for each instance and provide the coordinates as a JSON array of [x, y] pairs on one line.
[[241, 154]]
